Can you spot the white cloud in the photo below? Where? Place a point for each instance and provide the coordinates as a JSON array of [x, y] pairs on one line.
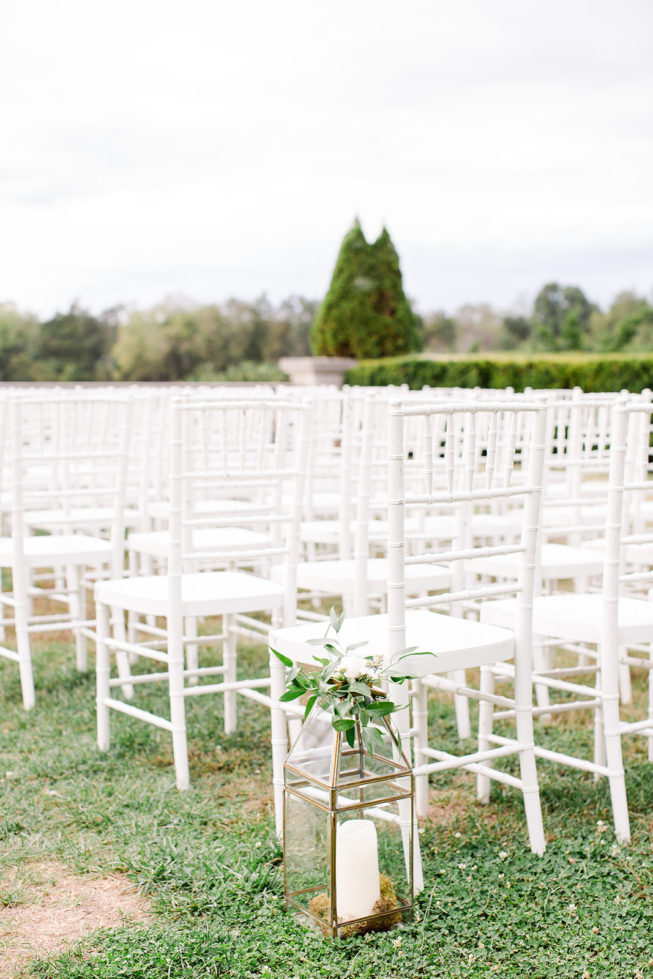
[[221, 149]]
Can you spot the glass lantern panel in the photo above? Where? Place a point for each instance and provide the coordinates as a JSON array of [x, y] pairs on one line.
[[373, 867], [307, 857], [312, 753], [375, 755]]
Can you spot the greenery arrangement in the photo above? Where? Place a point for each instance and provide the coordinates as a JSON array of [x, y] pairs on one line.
[[365, 312], [207, 861], [346, 685]]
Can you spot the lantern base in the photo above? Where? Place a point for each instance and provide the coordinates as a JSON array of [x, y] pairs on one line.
[[386, 907]]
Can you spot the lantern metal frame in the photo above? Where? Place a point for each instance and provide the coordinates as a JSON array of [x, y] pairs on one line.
[[327, 798]]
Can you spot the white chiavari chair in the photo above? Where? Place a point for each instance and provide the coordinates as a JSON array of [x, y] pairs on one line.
[[56, 462], [217, 449], [459, 472]]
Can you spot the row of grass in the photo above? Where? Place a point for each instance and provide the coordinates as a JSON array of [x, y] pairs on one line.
[[209, 863]]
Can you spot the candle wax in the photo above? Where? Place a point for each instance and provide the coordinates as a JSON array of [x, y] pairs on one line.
[[357, 869]]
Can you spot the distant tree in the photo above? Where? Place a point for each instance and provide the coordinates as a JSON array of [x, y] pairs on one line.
[[289, 329], [439, 332], [561, 317], [365, 312], [139, 353], [18, 338], [75, 346], [516, 332], [623, 326]]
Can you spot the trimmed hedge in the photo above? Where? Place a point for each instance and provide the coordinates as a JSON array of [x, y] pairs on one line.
[[591, 373]]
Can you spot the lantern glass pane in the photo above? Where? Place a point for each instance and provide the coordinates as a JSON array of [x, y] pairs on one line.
[[372, 866], [312, 753], [307, 853]]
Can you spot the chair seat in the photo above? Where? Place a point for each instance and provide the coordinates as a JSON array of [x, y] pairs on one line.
[[337, 577], [557, 562], [156, 543], [455, 643], [50, 549], [578, 617], [202, 593]]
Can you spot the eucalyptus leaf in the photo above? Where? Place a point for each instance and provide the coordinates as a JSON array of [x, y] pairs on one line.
[[358, 645], [343, 724], [357, 686], [291, 695], [284, 659], [309, 705], [382, 707]]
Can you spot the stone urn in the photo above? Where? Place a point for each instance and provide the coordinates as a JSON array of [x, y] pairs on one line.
[[316, 370]]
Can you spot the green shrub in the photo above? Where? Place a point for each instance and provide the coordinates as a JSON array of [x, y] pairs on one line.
[[365, 312], [591, 373]]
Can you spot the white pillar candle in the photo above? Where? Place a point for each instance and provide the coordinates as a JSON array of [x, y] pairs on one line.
[[357, 869]]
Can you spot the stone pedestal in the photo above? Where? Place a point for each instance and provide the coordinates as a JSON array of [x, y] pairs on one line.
[[316, 370]]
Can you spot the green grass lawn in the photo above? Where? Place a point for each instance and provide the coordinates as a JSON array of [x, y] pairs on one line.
[[208, 862]]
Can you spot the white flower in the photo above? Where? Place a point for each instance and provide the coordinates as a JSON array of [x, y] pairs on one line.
[[353, 667], [504, 855]]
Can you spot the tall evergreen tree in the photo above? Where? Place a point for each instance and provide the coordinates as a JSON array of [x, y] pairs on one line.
[[365, 312]]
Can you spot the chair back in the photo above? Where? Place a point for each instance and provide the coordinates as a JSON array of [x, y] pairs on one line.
[[472, 457]]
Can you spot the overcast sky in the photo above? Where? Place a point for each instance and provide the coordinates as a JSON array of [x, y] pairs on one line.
[[221, 149]]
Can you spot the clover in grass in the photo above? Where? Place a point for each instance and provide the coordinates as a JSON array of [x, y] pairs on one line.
[[348, 684]]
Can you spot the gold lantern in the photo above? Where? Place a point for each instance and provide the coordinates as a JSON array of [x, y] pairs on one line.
[[348, 827]]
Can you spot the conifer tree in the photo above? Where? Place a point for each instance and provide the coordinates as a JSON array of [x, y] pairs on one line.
[[365, 312]]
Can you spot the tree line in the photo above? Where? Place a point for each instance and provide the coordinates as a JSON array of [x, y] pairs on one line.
[[236, 340]]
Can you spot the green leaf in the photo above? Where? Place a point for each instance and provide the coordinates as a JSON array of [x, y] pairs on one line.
[[382, 707], [342, 708], [309, 705], [373, 738], [284, 659], [336, 620], [291, 695], [343, 724], [357, 645], [350, 735], [321, 661], [359, 686]]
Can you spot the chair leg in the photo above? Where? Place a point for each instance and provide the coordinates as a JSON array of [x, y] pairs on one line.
[[230, 663], [102, 673], [25, 664], [539, 664], [77, 603], [613, 756], [461, 704], [650, 700], [625, 685], [192, 655], [526, 741], [420, 721], [3, 630], [530, 787], [599, 730], [279, 737], [122, 658], [178, 710], [21, 612], [485, 719]]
